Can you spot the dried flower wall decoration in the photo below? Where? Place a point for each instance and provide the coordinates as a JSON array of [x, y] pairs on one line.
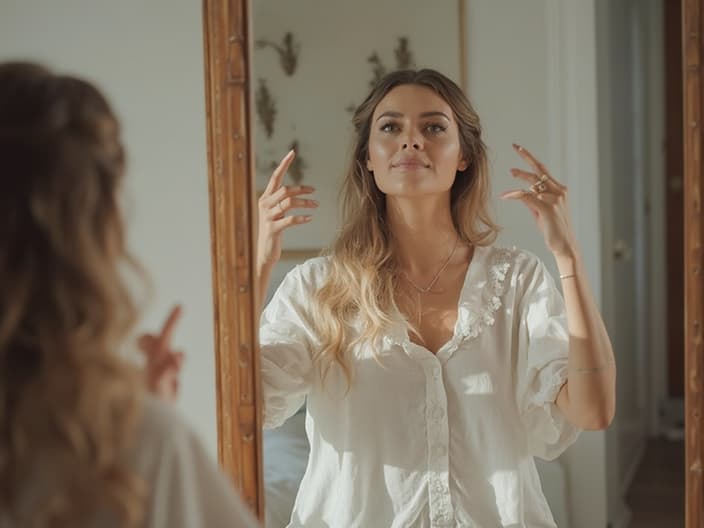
[[266, 108], [288, 51]]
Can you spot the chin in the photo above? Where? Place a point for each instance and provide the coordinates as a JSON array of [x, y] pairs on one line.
[[410, 187]]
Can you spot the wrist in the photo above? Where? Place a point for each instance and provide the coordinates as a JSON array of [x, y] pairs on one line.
[[264, 267], [568, 263]]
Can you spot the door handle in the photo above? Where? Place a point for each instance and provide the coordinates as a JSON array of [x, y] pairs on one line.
[[622, 251]]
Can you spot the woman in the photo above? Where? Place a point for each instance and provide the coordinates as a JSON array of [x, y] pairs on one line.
[[435, 365], [80, 442]]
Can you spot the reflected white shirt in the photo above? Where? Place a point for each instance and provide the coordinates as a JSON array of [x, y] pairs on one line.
[[424, 440]]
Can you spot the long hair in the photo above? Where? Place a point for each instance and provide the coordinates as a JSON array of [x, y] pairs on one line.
[[364, 274], [67, 401]]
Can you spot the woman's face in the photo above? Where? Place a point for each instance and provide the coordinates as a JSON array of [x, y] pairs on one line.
[[414, 145]]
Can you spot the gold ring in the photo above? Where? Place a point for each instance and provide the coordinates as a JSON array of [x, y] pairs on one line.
[[538, 188], [543, 178]]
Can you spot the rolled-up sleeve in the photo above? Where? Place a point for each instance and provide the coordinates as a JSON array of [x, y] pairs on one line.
[[542, 364], [286, 338]]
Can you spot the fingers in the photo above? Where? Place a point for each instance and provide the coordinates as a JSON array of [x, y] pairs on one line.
[[169, 362], [526, 176], [156, 347], [543, 198], [146, 342], [532, 161], [279, 172], [169, 325], [542, 171], [281, 207], [288, 221], [287, 191], [163, 378], [538, 203], [535, 180]]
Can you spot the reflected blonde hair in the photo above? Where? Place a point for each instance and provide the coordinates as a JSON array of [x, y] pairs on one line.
[[364, 274], [68, 403]]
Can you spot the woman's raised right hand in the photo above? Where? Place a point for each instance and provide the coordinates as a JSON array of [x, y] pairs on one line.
[[274, 203]]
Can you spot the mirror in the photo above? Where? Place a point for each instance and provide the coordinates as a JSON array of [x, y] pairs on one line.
[[558, 93]]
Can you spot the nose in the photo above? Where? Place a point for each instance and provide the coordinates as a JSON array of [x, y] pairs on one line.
[[413, 141]]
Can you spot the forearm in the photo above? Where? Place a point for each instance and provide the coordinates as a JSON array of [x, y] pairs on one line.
[[263, 276], [589, 397]]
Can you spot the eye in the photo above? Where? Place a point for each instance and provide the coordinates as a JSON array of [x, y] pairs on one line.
[[435, 128], [389, 127]]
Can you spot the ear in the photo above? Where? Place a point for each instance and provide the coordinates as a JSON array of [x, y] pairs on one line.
[[369, 166], [462, 166]]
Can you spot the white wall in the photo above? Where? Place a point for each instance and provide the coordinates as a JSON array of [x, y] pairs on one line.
[[532, 77], [148, 58]]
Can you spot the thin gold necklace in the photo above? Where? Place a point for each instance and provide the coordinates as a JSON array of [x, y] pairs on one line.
[[437, 275]]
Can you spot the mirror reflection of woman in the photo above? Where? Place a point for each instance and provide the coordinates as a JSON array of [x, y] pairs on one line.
[[434, 365], [82, 443]]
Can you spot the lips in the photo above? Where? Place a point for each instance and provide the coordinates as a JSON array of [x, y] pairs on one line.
[[410, 164]]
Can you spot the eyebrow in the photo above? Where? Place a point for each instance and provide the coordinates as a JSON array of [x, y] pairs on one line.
[[424, 114]]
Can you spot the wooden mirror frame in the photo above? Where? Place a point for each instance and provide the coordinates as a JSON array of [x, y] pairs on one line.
[[228, 39], [227, 44], [693, 121]]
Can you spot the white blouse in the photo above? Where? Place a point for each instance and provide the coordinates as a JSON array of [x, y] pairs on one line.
[[186, 487], [424, 440]]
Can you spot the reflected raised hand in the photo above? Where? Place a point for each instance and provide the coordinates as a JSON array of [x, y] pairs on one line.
[[276, 200]]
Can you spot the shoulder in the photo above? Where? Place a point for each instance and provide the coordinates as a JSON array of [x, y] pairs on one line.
[[187, 488], [517, 267], [307, 276], [516, 259], [313, 269], [161, 432]]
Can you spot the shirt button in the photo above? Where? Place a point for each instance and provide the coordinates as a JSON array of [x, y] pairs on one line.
[[442, 516], [438, 413]]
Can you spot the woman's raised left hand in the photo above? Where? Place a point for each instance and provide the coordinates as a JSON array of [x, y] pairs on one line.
[[163, 363], [546, 198]]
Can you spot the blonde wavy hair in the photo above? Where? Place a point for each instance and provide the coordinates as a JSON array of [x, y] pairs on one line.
[[364, 274], [68, 403]]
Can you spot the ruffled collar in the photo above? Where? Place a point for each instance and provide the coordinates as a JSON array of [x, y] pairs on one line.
[[481, 297], [482, 291]]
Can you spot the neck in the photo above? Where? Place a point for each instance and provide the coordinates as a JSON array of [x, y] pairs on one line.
[[422, 231]]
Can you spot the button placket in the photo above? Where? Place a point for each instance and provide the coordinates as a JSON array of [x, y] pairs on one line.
[[441, 511]]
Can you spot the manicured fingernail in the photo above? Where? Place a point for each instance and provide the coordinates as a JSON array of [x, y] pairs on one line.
[[315, 203], [308, 218], [514, 171]]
